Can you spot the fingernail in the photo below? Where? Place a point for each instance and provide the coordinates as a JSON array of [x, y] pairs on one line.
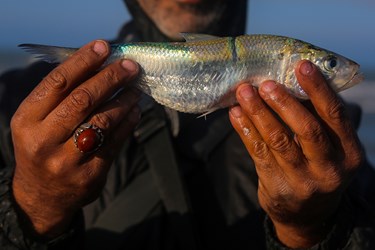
[[129, 65], [100, 48], [306, 68], [236, 111], [247, 92], [268, 86]]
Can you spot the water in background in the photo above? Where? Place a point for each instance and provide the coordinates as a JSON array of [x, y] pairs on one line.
[[363, 94]]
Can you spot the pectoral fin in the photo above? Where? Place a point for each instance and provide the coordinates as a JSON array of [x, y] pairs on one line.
[[208, 112]]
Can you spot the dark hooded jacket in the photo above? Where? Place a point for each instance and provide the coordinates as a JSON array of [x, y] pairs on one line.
[[179, 182]]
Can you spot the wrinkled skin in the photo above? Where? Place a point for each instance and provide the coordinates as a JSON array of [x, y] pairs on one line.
[[52, 179], [305, 166], [301, 176]]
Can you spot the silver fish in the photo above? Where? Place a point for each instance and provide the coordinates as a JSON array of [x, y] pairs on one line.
[[201, 74]]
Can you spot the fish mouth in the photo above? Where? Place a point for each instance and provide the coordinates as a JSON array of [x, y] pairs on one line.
[[356, 78]]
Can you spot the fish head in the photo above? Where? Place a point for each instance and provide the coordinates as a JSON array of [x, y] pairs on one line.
[[340, 72]]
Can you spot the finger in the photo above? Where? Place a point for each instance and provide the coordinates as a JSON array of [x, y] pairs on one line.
[[114, 135], [311, 135], [95, 166], [271, 176], [109, 116], [275, 134], [330, 108], [77, 106], [254, 143], [122, 131], [58, 84]]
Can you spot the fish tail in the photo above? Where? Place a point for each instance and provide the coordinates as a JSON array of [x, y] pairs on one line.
[[50, 54]]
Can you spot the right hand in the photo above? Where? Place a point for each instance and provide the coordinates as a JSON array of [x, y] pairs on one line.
[[52, 178]]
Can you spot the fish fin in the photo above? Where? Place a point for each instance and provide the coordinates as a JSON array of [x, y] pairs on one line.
[[195, 37], [50, 54], [207, 113]]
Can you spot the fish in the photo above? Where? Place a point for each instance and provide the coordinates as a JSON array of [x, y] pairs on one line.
[[201, 74]]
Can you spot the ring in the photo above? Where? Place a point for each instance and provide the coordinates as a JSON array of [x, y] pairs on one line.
[[88, 138]]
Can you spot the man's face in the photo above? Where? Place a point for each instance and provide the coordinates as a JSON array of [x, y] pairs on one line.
[[175, 16]]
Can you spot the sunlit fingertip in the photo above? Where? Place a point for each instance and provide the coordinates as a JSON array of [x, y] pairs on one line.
[[236, 111], [129, 66], [246, 91], [268, 86], [100, 48], [306, 68]]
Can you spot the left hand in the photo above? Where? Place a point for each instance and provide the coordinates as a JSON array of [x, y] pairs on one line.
[[305, 160]]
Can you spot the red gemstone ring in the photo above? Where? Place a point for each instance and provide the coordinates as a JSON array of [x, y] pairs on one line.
[[88, 138]]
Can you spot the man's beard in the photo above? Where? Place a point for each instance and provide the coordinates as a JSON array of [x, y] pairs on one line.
[[216, 17], [204, 18], [207, 16]]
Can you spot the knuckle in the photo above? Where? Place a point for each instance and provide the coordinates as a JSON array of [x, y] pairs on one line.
[[355, 160], [110, 75], [62, 113], [102, 120], [336, 110], [57, 166], [312, 131], [307, 189], [260, 149], [82, 60], [334, 180], [279, 141], [20, 124], [37, 94], [16, 121], [57, 79], [80, 100], [36, 148]]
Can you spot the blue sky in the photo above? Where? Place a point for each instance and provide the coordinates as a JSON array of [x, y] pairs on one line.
[[344, 26]]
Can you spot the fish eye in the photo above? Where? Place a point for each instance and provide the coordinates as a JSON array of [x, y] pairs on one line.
[[330, 63]]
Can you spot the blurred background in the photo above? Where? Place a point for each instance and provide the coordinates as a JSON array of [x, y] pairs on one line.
[[343, 26]]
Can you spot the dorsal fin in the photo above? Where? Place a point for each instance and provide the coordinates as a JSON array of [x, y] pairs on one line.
[[195, 37]]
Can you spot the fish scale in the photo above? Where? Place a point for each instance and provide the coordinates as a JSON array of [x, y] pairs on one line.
[[181, 79], [201, 74]]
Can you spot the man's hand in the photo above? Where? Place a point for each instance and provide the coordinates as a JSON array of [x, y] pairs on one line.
[[53, 179], [305, 160]]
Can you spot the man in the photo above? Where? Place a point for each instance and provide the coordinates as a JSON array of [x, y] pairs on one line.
[[168, 180]]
